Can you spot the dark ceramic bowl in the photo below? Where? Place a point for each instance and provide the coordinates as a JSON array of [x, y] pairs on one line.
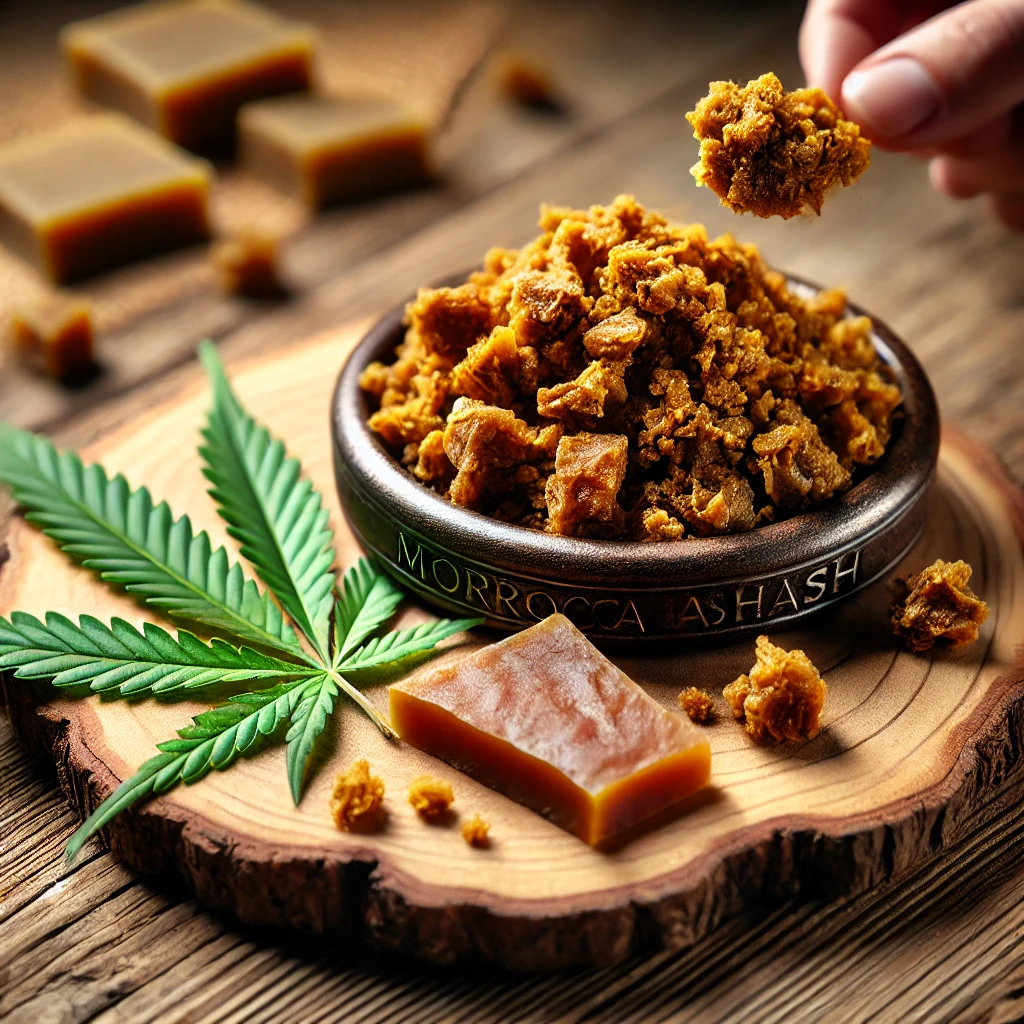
[[623, 593]]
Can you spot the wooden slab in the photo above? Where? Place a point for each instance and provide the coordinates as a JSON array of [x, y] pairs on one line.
[[911, 750]]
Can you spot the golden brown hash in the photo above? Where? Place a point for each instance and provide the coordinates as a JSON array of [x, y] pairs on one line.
[[782, 696], [623, 377], [937, 604], [769, 151]]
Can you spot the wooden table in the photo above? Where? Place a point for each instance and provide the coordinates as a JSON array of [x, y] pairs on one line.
[[96, 943]]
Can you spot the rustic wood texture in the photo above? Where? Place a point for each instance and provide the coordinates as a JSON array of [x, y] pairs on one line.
[[910, 749], [98, 943]]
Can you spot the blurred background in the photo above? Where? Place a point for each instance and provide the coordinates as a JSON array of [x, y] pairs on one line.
[[615, 80]]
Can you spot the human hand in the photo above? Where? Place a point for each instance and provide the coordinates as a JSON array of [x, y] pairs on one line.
[[933, 79]]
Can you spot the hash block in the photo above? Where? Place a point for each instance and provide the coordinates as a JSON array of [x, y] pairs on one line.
[[97, 193], [184, 69], [326, 150]]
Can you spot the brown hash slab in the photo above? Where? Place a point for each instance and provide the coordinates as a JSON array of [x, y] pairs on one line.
[[912, 747]]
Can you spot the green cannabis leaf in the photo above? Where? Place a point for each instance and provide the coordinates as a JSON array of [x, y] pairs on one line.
[[308, 722], [120, 534], [397, 652], [137, 545], [215, 740], [278, 518], [367, 601], [120, 658]]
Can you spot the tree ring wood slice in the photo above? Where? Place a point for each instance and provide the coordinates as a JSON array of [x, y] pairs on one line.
[[912, 749]]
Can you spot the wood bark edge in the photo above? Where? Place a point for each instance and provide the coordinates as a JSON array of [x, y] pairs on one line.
[[357, 895]]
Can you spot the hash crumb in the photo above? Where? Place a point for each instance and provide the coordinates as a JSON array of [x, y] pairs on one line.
[[527, 82], [698, 704], [476, 832], [357, 799], [937, 604], [781, 698], [53, 335], [768, 151], [247, 264], [432, 798]]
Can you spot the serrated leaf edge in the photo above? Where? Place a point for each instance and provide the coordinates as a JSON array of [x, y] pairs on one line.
[[301, 579]]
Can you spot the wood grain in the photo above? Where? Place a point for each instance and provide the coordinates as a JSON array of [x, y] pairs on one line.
[[958, 916], [911, 747]]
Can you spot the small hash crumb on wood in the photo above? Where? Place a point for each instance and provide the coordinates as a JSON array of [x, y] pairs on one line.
[[53, 335], [698, 704], [247, 264], [432, 798], [527, 82], [937, 604], [476, 832], [781, 698], [358, 798]]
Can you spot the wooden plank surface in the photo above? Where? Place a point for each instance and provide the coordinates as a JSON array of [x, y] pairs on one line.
[[98, 944]]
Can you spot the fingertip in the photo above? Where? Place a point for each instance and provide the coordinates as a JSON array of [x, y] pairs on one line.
[[891, 99], [946, 178], [830, 46], [942, 79]]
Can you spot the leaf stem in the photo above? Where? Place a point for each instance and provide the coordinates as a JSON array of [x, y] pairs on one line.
[[360, 699]]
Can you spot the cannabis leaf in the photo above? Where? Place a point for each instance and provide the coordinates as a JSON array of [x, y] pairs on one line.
[[399, 651], [120, 658], [308, 721], [368, 600], [280, 522], [278, 518], [215, 740], [129, 541]]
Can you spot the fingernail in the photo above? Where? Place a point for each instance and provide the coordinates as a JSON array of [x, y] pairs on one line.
[[891, 98]]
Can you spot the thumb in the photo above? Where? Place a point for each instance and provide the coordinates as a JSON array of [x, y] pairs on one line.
[[935, 83]]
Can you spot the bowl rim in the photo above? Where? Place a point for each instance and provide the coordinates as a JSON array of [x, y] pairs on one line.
[[888, 488]]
